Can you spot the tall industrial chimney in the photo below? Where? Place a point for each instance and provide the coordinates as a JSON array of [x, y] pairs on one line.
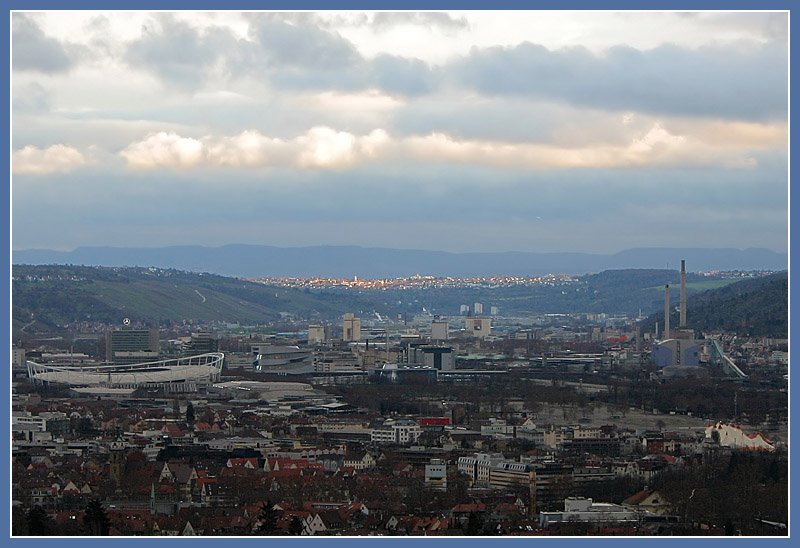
[[683, 295], [666, 313]]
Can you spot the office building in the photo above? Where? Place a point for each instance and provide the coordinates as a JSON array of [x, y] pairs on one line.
[[127, 346], [202, 343], [479, 327]]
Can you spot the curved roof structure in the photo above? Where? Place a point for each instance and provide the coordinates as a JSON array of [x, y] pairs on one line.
[[201, 368]]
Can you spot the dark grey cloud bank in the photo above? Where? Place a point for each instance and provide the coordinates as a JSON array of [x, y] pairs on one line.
[[589, 209], [741, 82], [177, 53], [33, 50], [746, 83]]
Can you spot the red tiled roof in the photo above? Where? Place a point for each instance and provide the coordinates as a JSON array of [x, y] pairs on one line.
[[469, 507], [637, 498]]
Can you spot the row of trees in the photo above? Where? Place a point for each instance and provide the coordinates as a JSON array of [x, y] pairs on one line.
[[37, 523]]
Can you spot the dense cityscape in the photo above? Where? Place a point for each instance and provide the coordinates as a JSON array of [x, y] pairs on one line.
[[462, 274], [472, 424], [418, 282]]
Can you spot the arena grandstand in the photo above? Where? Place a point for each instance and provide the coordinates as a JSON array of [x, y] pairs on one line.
[[201, 369]]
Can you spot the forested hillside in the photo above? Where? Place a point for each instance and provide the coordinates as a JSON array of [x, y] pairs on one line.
[[757, 307]]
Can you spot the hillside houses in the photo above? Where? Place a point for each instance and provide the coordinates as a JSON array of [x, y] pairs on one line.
[[334, 475]]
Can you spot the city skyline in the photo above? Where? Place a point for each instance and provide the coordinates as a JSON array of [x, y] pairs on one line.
[[458, 131]]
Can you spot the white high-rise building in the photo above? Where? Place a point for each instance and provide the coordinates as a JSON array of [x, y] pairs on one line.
[[477, 309]]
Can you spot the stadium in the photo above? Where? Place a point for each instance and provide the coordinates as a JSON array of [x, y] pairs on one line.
[[192, 370]]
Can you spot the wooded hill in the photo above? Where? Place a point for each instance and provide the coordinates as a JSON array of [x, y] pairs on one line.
[[54, 297], [757, 307]]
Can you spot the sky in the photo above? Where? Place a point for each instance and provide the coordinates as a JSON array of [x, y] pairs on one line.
[[455, 131]]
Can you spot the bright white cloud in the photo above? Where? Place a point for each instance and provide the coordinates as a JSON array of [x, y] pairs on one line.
[[164, 150], [319, 148], [248, 149], [31, 160], [325, 148], [655, 139], [656, 147]]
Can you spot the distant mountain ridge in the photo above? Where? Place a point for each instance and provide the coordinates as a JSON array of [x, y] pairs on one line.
[[347, 261]]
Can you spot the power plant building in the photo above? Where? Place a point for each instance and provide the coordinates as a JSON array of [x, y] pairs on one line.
[[677, 348], [678, 353]]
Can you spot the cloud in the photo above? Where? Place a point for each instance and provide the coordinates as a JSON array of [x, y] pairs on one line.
[[302, 44], [30, 98], [732, 82], [164, 150], [371, 100], [656, 147], [401, 75], [440, 20], [33, 50], [319, 148], [31, 160], [614, 208], [180, 54], [655, 139], [248, 149], [741, 83], [324, 148]]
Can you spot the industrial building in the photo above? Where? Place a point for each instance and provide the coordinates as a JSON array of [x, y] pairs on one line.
[[679, 353], [441, 358]]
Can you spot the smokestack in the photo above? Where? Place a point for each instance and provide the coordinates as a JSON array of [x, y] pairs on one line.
[[666, 312], [682, 323]]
